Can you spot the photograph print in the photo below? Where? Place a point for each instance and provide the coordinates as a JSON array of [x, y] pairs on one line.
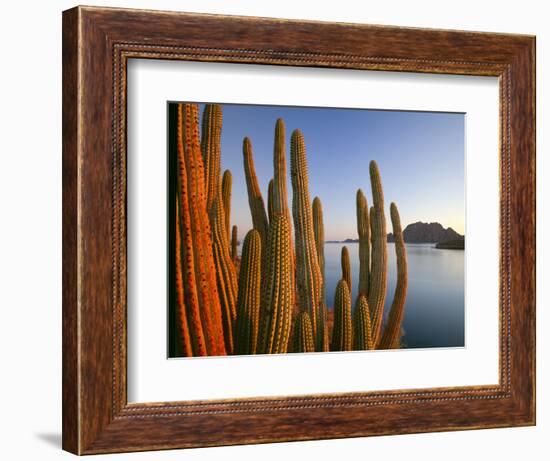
[[311, 229]]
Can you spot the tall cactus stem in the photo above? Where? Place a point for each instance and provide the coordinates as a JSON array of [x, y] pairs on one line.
[[391, 338], [303, 334], [248, 301], [363, 231], [270, 210], [342, 333], [362, 329], [308, 274], [379, 264], [234, 244], [211, 152], [227, 180], [278, 286], [346, 266], [319, 233]]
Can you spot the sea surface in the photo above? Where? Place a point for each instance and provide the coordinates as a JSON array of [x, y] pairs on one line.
[[434, 309]]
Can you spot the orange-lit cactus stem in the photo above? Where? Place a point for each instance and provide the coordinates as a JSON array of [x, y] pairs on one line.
[[197, 262], [363, 230], [211, 152], [234, 243], [362, 330], [227, 180], [346, 267]]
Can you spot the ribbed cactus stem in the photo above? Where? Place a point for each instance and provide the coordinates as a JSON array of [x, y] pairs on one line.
[[342, 332], [270, 211], [255, 199], [346, 267], [322, 324], [379, 263], [201, 297], [211, 152], [303, 334], [227, 180], [363, 231], [183, 324], [280, 196], [278, 286], [319, 233], [248, 301], [225, 272], [362, 329], [308, 274], [391, 339], [234, 243]]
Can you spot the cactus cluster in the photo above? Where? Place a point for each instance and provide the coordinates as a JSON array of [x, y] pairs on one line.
[[272, 299]]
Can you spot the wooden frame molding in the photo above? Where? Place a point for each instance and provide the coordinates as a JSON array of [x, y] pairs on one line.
[[97, 43]]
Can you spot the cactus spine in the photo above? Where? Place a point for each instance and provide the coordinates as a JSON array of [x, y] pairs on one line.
[[362, 330], [278, 287], [210, 148], [197, 261], [227, 181], [379, 264], [346, 267], [303, 334], [308, 275], [392, 331], [248, 301], [255, 199], [342, 332], [234, 244], [363, 231]]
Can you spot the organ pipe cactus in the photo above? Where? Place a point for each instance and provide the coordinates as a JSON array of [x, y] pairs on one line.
[[319, 233], [210, 148], [199, 288], [391, 338], [227, 180], [225, 271], [362, 330], [278, 286], [346, 267], [255, 199], [363, 231], [308, 274], [379, 263], [303, 334], [342, 332], [248, 301], [270, 211]]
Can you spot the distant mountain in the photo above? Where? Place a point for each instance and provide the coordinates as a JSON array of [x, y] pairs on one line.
[[420, 232]]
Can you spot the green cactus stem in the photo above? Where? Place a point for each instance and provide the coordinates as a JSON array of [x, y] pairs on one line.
[[303, 334], [280, 195], [248, 301], [308, 274], [234, 244], [391, 338], [363, 231], [346, 266], [270, 211], [379, 263], [278, 286], [200, 290], [255, 199], [362, 330], [319, 233], [211, 151], [227, 180], [342, 332]]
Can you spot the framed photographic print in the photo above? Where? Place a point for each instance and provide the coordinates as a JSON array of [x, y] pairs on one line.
[[285, 230]]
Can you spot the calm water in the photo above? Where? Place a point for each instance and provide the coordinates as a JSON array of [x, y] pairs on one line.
[[434, 310]]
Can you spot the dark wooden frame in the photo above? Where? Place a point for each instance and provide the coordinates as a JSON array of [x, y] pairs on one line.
[[97, 43]]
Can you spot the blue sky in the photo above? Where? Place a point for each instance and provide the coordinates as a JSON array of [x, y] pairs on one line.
[[420, 156]]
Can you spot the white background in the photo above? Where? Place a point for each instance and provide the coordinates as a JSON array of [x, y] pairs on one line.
[[152, 378], [30, 243]]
